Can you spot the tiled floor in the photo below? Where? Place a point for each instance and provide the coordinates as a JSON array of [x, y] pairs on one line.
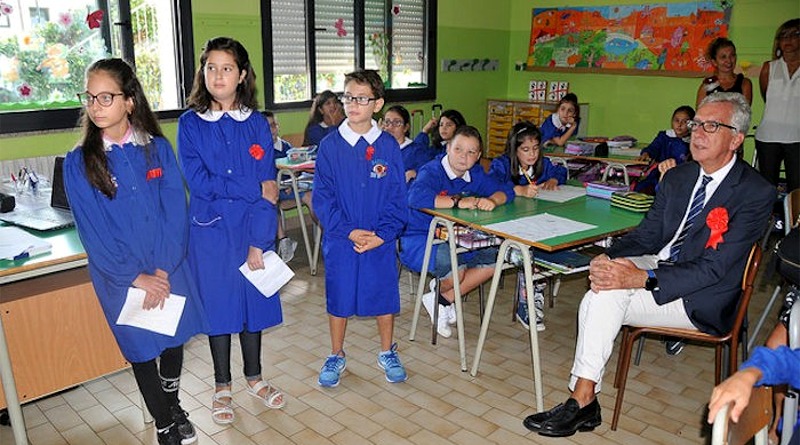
[[439, 404]]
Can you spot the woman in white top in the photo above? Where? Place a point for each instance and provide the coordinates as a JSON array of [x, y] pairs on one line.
[[778, 135]]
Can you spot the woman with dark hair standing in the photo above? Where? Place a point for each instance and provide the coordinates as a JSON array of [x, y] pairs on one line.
[[778, 134], [721, 53]]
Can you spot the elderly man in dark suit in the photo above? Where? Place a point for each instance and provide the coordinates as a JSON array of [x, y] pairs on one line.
[[681, 267]]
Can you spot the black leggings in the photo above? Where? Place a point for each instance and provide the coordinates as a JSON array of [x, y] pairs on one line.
[[221, 355], [770, 155], [159, 384]]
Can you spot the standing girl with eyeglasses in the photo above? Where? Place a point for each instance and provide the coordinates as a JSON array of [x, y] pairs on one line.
[[128, 199], [226, 151], [416, 152], [778, 135]]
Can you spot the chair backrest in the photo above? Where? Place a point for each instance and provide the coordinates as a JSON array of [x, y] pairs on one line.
[[753, 422], [748, 281], [791, 210]]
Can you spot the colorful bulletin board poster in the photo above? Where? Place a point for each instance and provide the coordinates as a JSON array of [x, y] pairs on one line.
[[664, 37]]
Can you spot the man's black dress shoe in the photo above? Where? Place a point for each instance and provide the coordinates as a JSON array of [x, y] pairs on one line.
[[534, 421], [572, 418]]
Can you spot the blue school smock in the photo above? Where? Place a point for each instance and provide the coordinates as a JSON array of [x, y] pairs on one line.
[[354, 192], [432, 181], [142, 229], [282, 148], [225, 156], [500, 169], [667, 145], [417, 152], [550, 130], [317, 132]]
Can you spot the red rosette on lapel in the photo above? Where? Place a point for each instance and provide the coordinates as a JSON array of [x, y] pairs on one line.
[[154, 173], [256, 152], [370, 151], [717, 221]]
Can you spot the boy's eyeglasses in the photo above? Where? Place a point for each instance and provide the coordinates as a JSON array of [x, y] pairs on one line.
[[708, 126], [361, 100], [104, 99], [393, 123]]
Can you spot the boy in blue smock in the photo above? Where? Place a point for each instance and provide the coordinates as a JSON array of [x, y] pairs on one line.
[[359, 192], [453, 179]]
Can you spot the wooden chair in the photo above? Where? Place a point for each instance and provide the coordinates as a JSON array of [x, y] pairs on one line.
[[753, 423], [631, 333]]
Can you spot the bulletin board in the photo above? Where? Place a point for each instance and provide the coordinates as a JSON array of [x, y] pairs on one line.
[[660, 39]]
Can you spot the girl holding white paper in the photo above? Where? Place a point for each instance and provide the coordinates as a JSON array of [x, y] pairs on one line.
[[226, 151], [128, 199]]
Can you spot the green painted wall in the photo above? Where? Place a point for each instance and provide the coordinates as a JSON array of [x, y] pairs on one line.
[[643, 105], [636, 105]]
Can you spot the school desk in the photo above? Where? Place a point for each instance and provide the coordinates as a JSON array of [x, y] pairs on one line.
[[53, 334], [609, 221], [293, 172]]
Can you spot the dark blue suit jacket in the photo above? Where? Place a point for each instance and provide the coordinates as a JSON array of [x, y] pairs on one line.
[[709, 280]]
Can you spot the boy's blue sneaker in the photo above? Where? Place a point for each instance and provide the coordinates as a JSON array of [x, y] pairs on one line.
[[332, 370], [390, 362]]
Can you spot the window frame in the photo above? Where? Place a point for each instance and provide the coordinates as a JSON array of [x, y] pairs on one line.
[[392, 95], [66, 118]]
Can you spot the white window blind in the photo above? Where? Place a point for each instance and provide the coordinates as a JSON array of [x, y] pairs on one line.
[[289, 37]]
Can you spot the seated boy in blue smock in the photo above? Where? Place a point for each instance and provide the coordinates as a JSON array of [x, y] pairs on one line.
[[452, 179]]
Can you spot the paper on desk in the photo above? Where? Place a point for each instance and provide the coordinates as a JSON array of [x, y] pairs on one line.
[[539, 227], [163, 321], [563, 194], [272, 277], [15, 242]]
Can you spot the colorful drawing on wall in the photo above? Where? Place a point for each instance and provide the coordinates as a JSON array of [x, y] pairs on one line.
[[655, 37]]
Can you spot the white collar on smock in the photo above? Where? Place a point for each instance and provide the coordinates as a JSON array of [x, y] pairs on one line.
[[451, 174], [137, 137], [352, 137], [239, 115]]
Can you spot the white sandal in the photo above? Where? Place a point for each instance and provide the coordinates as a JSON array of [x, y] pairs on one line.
[[270, 396], [226, 408]]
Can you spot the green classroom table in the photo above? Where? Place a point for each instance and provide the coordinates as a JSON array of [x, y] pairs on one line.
[[609, 221]]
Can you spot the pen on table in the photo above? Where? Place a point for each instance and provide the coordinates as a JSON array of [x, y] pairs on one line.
[[22, 256]]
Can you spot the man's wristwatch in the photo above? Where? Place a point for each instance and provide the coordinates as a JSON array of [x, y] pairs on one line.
[[652, 282]]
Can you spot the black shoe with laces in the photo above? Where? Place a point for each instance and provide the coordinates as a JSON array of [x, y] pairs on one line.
[[184, 427], [169, 436], [534, 421]]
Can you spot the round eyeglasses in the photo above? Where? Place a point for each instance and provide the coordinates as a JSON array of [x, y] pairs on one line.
[[708, 126], [104, 99]]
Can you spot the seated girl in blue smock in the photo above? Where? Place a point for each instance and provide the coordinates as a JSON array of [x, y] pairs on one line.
[[523, 165], [560, 126], [416, 152], [668, 149]]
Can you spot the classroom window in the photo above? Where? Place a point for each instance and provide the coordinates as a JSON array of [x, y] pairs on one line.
[[48, 45], [311, 44]]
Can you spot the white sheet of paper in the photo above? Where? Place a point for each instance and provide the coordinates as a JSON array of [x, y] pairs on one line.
[[563, 194], [163, 321], [15, 241], [540, 227], [272, 277]]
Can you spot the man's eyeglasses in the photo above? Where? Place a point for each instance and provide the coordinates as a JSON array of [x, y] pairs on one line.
[[393, 123], [104, 99], [361, 100], [708, 126]]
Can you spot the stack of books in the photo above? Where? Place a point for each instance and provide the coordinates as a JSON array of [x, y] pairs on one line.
[[580, 148], [475, 239], [633, 201], [565, 261]]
